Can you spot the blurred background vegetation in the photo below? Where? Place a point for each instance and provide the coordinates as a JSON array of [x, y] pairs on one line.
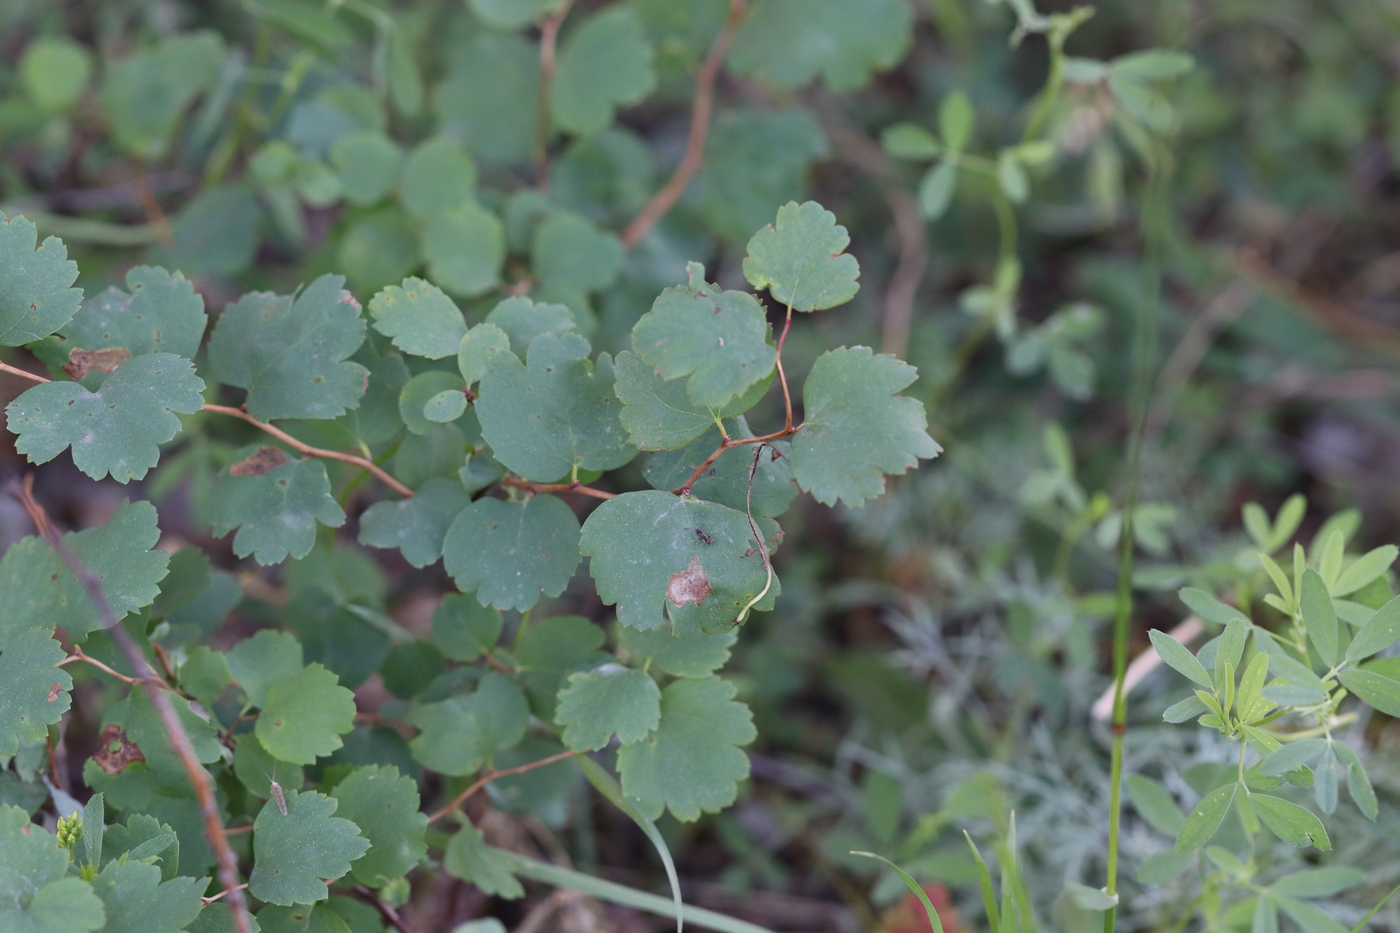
[[935, 657]]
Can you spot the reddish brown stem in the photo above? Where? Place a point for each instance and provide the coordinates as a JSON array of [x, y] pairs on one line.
[[160, 699], [544, 118], [213, 898], [154, 215], [363, 463], [490, 776], [16, 371], [705, 80], [575, 486]]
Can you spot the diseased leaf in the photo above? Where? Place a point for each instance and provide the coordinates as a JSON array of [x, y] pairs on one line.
[[801, 259], [296, 854], [638, 541], [291, 353], [275, 512], [610, 700], [305, 716], [415, 526], [162, 314], [790, 42], [853, 432], [35, 691], [604, 64], [661, 415], [137, 901], [508, 553], [116, 430], [718, 338], [459, 735], [384, 805], [558, 415], [419, 318], [692, 763]]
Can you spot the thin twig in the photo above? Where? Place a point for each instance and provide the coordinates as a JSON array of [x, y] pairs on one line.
[[16, 371], [490, 776], [160, 699], [705, 79], [214, 897], [516, 483], [544, 117], [385, 911], [154, 215], [363, 463]]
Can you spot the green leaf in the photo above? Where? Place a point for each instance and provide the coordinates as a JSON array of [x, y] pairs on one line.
[[419, 318], [143, 838], [294, 855], [1011, 176], [1366, 569], [934, 920], [290, 353], [35, 695], [216, 233], [1179, 658], [1319, 617], [570, 254], [378, 249], [491, 96], [38, 590], [438, 175], [1156, 804], [68, 905], [54, 71], [1293, 824], [275, 512], [790, 42], [1207, 607], [460, 735], [119, 428], [369, 164], [384, 805], [1265, 918], [649, 558], [465, 247], [549, 650], [1375, 690], [469, 858], [559, 415], [522, 320], [1153, 64], [1319, 882], [29, 858], [419, 391], [1206, 818], [604, 64], [699, 656], [35, 294], [144, 95], [464, 629], [1087, 898], [727, 479], [937, 188], [854, 433], [508, 553], [692, 762], [1359, 786], [955, 121], [661, 415], [313, 918], [1310, 918], [305, 716], [718, 338], [94, 828], [755, 161], [137, 901], [416, 526], [612, 699], [512, 14], [485, 347], [259, 662], [910, 141], [801, 259], [1380, 632], [1292, 756], [162, 314]]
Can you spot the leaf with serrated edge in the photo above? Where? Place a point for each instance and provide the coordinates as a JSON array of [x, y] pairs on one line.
[[459, 735], [727, 479], [291, 353], [119, 428], [692, 763], [305, 716], [508, 553], [162, 314], [854, 433], [275, 512], [419, 318], [418, 525], [259, 662], [35, 692], [295, 855], [640, 541], [689, 657], [137, 901], [558, 414], [790, 42], [38, 590], [661, 415], [35, 294], [801, 259], [384, 805], [612, 699], [469, 858]]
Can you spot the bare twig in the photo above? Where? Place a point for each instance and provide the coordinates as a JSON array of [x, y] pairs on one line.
[[16, 371], [705, 79], [160, 699], [214, 897], [516, 483], [544, 117], [490, 776]]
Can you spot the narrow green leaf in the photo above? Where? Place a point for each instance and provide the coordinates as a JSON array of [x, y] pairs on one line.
[[955, 121], [937, 188], [1380, 632], [909, 141], [1376, 690], [1179, 658], [914, 887], [1292, 755], [1087, 898], [1295, 825], [1207, 607], [1365, 569], [1155, 804], [1206, 818], [1265, 914], [1319, 617], [984, 881], [1276, 574], [1189, 708]]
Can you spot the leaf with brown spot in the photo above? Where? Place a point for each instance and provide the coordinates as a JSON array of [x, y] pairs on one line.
[[81, 362], [691, 585], [267, 458], [115, 750]]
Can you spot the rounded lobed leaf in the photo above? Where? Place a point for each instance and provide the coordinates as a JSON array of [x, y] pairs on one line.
[[801, 259]]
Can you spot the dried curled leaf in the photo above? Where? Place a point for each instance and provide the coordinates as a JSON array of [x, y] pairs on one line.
[[267, 458], [115, 751]]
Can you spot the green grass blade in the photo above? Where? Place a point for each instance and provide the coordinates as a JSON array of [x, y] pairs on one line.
[[913, 886], [1367, 919], [984, 878]]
